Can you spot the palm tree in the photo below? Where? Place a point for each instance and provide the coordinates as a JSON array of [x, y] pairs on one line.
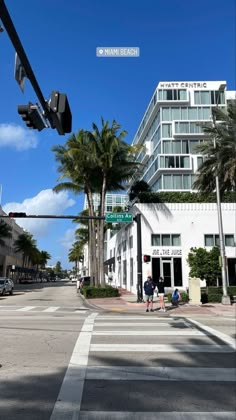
[[138, 187], [76, 160], [26, 245], [44, 257], [219, 151], [115, 158], [76, 253], [99, 161], [5, 232]]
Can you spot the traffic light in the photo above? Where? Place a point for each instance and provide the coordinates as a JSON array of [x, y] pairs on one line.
[[14, 214], [59, 104], [32, 116], [146, 258]]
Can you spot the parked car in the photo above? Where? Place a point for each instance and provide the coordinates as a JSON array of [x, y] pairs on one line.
[[6, 286], [74, 279]]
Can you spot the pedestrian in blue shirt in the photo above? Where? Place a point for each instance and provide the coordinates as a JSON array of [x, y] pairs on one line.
[[149, 287]]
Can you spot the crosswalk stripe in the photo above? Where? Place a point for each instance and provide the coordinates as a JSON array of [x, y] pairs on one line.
[[136, 324], [51, 309], [152, 333], [143, 318], [138, 373], [26, 308], [175, 348], [174, 415]]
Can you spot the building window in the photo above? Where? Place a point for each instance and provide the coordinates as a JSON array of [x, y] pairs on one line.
[[166, 130], [229, 240], [155, 240], [166, 239], [130, 242], [199, 162], [124, 272], [214, 240], [124, 245], [109, 208], [131, 272], [172, 94]]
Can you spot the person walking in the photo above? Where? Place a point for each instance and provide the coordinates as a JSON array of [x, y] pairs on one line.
[[161, 293], [149, 287]]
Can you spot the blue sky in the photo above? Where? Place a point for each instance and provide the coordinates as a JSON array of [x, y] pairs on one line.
[[178, 40]]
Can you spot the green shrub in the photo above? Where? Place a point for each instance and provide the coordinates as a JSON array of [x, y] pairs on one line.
[[184, 197], [91, 292], [215, 294]]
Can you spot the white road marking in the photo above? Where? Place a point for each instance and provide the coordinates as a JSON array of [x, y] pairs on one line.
[[175, 348], [51, 309], [143, 318], [137, 373], [174, 332], [136, 324], [26, 308], [174, 415], [228, 340], [68, 403]]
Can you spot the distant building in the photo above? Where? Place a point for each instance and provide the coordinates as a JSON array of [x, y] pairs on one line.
[[111, 201], [10, 261]]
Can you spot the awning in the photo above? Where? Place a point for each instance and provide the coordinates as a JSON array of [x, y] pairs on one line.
[[110, 261]]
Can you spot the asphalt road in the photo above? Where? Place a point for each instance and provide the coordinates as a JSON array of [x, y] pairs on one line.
[[61, 360]]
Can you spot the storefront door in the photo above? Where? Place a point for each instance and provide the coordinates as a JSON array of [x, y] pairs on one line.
[[166, 272]]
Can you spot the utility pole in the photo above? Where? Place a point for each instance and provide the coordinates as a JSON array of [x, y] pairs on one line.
[[137, 219]]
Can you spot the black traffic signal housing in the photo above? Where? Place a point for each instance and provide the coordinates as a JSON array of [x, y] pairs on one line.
[[146, 258], [15, 214], [32, 116], [59, 104]]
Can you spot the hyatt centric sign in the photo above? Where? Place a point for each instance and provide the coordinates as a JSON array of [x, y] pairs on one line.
[[117, 52]]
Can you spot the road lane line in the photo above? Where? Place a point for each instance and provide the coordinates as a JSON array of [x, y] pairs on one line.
[[175, 348], [26, 308], [68, 402], [224, 337], [137, 373], [174, 415], [51, 309]]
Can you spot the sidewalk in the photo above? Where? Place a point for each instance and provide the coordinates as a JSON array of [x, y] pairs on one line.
[[127, 303]]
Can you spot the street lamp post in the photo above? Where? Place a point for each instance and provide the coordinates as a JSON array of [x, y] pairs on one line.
[[225, 298]]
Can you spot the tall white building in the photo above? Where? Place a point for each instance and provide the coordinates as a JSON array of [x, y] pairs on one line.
[[170, 131]]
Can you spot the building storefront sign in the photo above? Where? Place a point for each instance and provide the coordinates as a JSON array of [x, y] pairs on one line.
[[181, 85], [166, 252]]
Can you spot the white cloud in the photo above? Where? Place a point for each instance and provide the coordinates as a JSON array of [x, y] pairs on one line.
[[16, 137], [45, 202], [68, 238]]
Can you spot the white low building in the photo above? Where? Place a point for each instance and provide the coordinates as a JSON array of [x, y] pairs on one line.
[[168, 232]]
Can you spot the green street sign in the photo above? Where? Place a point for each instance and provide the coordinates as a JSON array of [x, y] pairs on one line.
[[118, 217]]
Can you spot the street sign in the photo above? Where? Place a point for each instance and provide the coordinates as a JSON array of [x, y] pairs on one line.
[[118, 217], [19, 73]]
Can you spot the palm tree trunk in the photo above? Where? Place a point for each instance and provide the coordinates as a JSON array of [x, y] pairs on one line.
[[92, 239], [101, 230]]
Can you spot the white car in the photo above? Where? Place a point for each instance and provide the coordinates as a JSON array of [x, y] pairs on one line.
[[73, 279]]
